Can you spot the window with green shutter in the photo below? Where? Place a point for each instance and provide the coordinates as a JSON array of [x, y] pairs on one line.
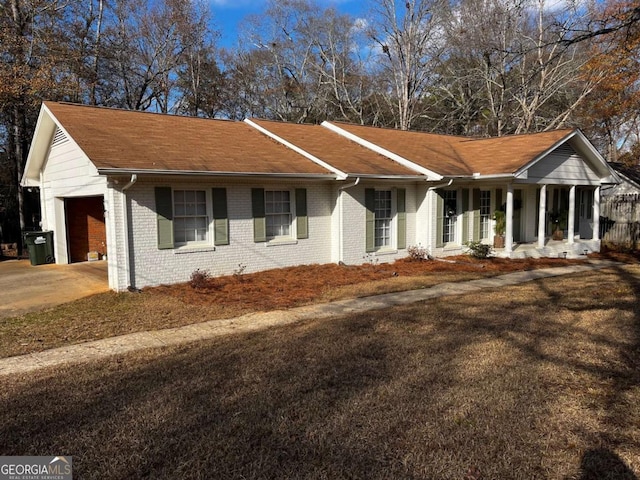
[[164, 217], [370, 220], [302, 220], [220, 216], [258, 213]]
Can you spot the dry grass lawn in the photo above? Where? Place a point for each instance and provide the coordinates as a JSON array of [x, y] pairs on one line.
[[110, 314], [538, 381]]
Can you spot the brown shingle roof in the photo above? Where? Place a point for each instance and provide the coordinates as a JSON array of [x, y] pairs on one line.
[[431, 151], [121, 139], [508, 154], [332, 148], [454, 156]]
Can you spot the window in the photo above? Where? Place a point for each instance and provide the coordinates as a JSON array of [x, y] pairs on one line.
[[485, 213], [278, 213], [190, 219], [450, 216], [383, 218]]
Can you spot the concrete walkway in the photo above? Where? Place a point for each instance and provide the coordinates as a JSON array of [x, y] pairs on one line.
[[98, 349]]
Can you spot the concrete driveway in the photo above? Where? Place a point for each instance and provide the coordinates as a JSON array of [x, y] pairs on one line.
[[26, 288]]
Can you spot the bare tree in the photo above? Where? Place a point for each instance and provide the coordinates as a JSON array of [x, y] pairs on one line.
[[409, 37]]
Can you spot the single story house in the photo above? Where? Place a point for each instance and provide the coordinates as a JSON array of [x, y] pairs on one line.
[[162, 195]]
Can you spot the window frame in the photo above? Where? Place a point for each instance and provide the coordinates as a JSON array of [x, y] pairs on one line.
[[388, 229], [485, 216], [208, 202], [450, 223], [291, 235]]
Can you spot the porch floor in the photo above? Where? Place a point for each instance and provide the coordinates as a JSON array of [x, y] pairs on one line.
[[552, 249]]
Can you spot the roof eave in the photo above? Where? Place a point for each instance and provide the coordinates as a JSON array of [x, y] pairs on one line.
[[205, 173]]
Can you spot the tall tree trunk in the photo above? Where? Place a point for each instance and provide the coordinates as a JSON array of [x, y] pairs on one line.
[[18, 117]]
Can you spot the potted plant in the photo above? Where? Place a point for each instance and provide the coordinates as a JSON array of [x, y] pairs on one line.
[[500, 219], [558, 220]]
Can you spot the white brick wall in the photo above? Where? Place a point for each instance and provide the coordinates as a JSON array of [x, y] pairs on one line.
[[151, 266], [353, 225]]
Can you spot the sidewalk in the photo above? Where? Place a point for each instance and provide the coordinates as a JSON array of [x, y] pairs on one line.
[[99, 349]]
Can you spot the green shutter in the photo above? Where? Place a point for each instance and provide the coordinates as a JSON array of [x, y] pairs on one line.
[[302, 220], [401, 207], [164, 212], [258, 212], [476, 214], [499, 199], [465, 215], [220, 217], [439, 218], [370, 205]]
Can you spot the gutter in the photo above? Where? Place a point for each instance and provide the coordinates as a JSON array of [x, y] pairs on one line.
[[441, 185], [125, 217], [132, 171]]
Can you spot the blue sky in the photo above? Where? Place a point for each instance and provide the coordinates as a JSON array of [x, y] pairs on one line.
[[227, 14]]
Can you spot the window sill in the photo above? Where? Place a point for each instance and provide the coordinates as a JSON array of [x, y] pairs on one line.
[[386, 251], [193, 249], [282, 241]]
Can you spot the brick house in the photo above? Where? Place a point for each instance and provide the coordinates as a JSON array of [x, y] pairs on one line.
[[164, 195]]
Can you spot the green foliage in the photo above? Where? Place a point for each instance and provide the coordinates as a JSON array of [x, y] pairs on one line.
[[479, 250], [501, 222]]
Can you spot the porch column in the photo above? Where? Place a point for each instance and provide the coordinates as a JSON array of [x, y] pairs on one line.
[[508, 241], [571, 221], [542, 216], [596, 213]]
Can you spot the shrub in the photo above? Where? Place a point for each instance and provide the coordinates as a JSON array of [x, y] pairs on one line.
[[417, 253], [238, 272], [200, 279], [479, 249]]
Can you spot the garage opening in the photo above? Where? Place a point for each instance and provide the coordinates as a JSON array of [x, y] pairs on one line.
[[86, 230]]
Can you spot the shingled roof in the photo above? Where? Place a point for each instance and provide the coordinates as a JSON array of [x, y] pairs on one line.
[[128, 140], [452, 156], [341, 153]]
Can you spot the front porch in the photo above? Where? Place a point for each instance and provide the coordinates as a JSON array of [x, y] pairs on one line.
[[579, 248]]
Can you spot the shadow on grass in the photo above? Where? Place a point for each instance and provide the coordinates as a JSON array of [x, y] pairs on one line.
[[602, 464], [440, 390]]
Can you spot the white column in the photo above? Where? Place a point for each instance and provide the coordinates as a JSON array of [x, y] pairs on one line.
[[596, 213], [571, 221], [542, 216], [508, 241]]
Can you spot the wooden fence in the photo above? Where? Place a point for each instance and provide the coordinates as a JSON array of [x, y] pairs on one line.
[[620, 220]]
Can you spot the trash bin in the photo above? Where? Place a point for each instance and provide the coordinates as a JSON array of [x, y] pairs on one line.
[[40, 247]]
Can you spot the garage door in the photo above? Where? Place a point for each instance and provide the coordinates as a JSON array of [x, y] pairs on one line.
[[85, 227]]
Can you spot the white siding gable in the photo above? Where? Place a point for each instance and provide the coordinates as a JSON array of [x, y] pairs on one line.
[[562, 166], [69, 172]]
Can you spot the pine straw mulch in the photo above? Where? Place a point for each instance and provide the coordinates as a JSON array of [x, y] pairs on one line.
[[295, 286]]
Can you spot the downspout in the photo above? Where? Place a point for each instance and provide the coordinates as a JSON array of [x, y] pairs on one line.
[[125, 219], [340, 217], [430, 189]]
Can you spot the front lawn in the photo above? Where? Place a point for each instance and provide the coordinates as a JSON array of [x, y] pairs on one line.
[[110, 314], [537, 381]]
